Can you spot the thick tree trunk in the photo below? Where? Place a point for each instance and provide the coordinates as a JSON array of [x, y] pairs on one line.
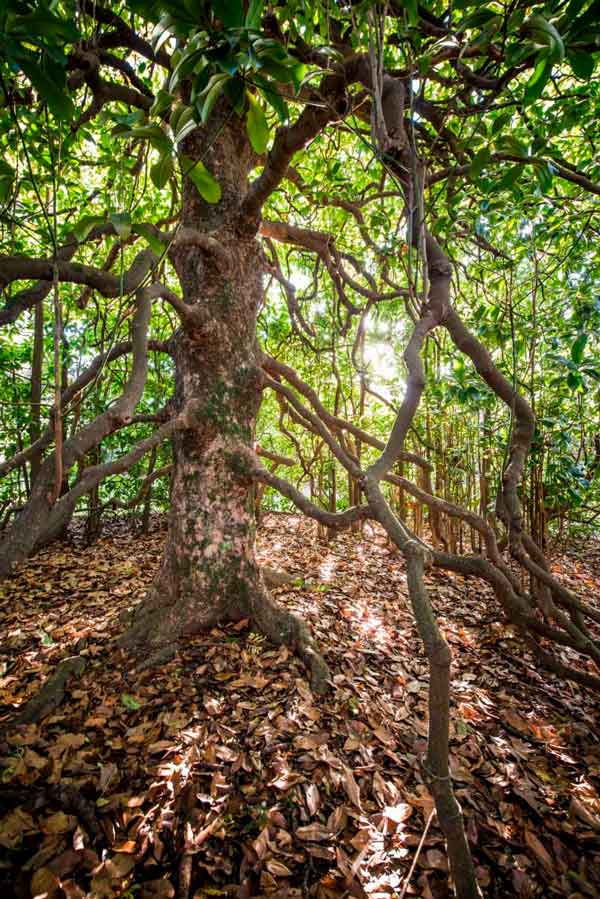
[[209, 572]]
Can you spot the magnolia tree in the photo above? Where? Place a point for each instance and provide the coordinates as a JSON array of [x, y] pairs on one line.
[[147, 154]]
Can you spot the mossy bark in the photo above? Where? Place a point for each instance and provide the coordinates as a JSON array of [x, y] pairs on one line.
[[209, 572]]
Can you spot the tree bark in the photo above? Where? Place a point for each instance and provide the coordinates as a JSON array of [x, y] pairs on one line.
[[209, 573], [35, 428]]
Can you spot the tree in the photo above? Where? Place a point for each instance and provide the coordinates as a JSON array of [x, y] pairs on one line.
[[173, 104]]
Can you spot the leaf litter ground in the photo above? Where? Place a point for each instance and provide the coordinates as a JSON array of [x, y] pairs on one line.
[[220, 774]]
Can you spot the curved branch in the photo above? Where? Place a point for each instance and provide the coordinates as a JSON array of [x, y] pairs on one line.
[[72, 392], [23, 268], [27, 298], [280, 370], [115, 503], [336, 520], [26, 529], [348, 462], [329, 103], [124, 36]]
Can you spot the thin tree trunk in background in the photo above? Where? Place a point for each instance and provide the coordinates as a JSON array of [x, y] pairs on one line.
[[37, 360], [147, 507], [332, 496], [401, 493], [93, 523]]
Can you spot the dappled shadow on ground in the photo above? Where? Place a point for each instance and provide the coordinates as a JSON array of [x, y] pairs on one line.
[[222, 775]]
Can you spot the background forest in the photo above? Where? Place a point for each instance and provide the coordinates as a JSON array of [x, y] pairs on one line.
[[308, 257]]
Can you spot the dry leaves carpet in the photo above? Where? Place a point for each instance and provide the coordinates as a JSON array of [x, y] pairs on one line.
[[220, 774]]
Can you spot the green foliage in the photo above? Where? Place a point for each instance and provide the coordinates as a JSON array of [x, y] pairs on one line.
[[502, 156]]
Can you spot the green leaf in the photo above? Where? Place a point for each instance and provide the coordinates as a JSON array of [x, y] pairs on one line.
[[480, 17], [210, 95], [7, 177], [510, 178], [581, 63], [256, 123], [185, 124], [85, 225], [184, 67], [153, 242], [130, 702], [230, 12], [537, 82], [479, 162], [282, 73], [121, 222], [269, 91], [412, 12], [162, 170], [55, 95], [578, 348], [154, 133], [543, 173], [508, 144], [161, 32], [207, 186], [162, 101], [254, 13], [424, 63], [235, 91], [544, 32], [501, 122]]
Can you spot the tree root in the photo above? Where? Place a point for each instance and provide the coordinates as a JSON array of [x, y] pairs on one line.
[[160, 656], [52, 693], [567, 672], [274, 578], [155, 631], [66, 797], [283, 627]]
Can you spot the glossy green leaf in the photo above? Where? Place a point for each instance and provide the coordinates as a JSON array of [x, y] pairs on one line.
[[256, 123], [55, 95], [121, 222], [269, 91], [130, 702], [479, 162], [85, 225], [207, 186], [578, 347], [582, 64], [229, 12], [543, 174], [253, 16], [156, 245], [538, 80], [412, 12], [211, 94], [162, 170], [7, 177]]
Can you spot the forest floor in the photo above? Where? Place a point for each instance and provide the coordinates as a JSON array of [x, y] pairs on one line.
[[220, 774]]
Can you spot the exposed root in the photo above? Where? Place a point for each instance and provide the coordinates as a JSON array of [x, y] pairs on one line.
[[160, 656], [567, 672], [66, 797], [52, 693], [283, 627], [274, 578], [155, 633]]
